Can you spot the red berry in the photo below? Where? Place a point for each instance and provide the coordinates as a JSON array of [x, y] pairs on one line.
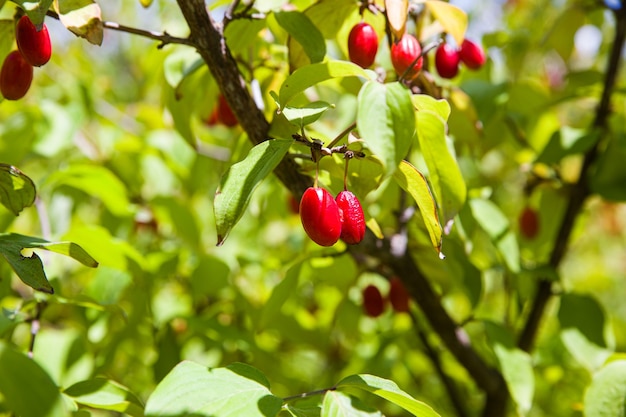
[[352, 218], [529, 222], [403, 55], [293, 204], [34, 45], [398, 295], [224, 112], [373, 302], [472, 55], [447, 60], [320, 216], [363, 45], [15, 77]]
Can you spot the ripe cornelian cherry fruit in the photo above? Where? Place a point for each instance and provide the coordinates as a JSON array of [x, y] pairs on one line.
[[404, 54], [373, 302], [33, 44], [472, 55], [529, 222], [447, 60], [363, 45], [320, 216], [222, 113], [398, 295], [352, 218], [15, 76]]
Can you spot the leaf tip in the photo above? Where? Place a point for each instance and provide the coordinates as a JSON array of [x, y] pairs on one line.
[[220, 240]]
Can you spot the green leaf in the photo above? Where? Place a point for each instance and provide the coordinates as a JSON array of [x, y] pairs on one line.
[[452, 18], [413, 182], [242, 34], [280, 294], [7, 37], [240, 181], [444, 172], [606, 396], [515, 364], [103, 394], [96, 181], [561, 35], [311, 75], [26, 388], [338, 404], [300, 28], [35, 10], [233, 391], [310, 411], [584, 313], [29, 268], [83, 18], [567, 141], [306, 115], [386, 121], [17, 189], [426, 103], [388, 390], [64, 248]]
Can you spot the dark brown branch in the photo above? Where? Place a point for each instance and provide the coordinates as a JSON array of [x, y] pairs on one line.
[[579, 192], [207, 35]]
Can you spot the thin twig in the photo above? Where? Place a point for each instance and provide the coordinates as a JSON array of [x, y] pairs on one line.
[[342, 134], [164, 37], [308, 394], [35, 325]]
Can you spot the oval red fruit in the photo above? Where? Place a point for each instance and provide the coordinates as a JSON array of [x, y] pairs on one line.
[[398, 295], [15, 76], [373, 302], [352, 218], [529, 222], [34, 45], [363, 45], [472, 55], [403, 55], [320, 216], [447, 61]]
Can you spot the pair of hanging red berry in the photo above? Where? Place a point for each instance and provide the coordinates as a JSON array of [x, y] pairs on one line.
[[326, 220], [405, 54], [34, 50], [398, 297], [448, 58]]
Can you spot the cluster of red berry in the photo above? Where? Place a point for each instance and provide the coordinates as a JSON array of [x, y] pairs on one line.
[[33, 50], [374, 302], [326, 220], [448, 58], [406, 53]]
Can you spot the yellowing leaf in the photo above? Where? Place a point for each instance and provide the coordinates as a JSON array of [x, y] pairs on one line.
[[453, 19], [397, 11], [82, 18]]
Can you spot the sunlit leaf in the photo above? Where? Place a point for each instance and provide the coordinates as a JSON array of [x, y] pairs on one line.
[[311, 75], [338, 404], [306, 115], [280, 294], [606, 395], [413, 182], [70, 249], [300, 28], [452, 18], [83, 18], [240, 181], [386, 122], [397, 12], [17, 190], [388, 390], [444, 172], [22, 380], [104, 394], [7, 37], [193, 389], [515, 364]]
